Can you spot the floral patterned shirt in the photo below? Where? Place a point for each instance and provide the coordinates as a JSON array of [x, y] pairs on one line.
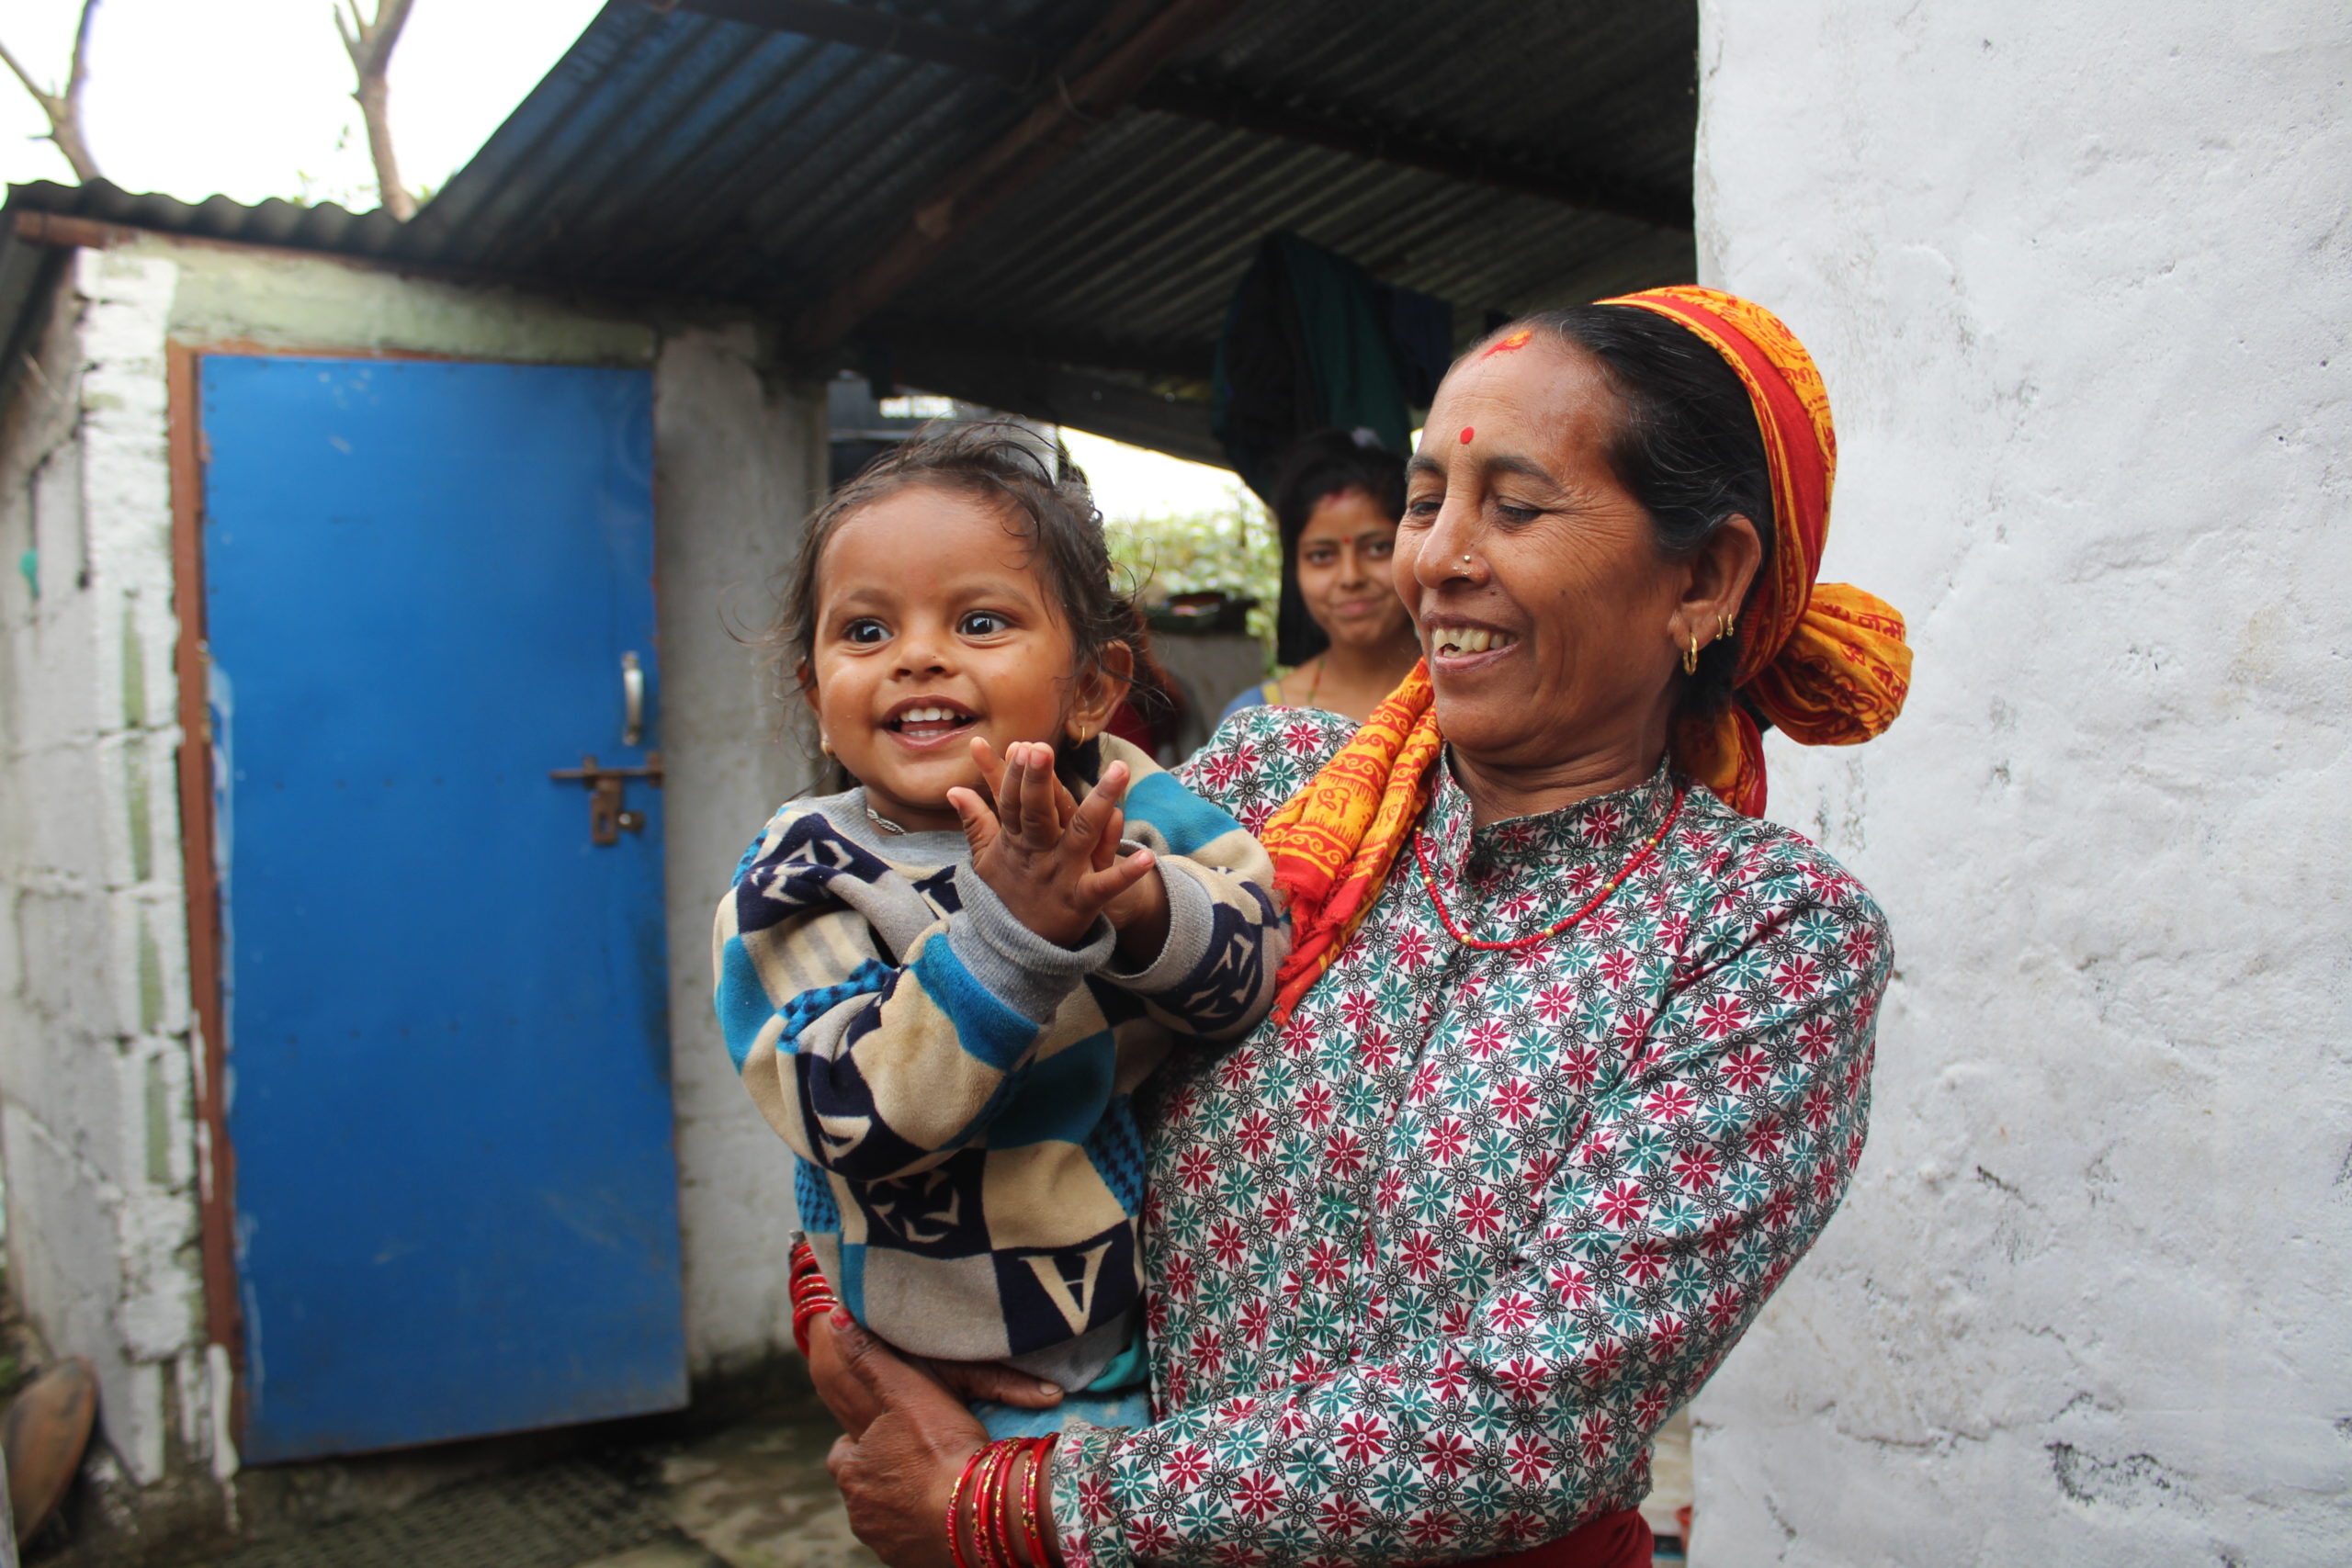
[[1429, 1264]]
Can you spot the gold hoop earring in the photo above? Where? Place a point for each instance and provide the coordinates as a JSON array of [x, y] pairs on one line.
[[1691, 655], [1082, 734], [824, 746], [1729, 626]]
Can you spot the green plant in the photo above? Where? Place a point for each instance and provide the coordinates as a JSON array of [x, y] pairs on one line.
[[1232, 548]]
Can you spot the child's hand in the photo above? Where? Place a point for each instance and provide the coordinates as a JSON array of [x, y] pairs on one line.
[[1140, 916], [1056, 864]]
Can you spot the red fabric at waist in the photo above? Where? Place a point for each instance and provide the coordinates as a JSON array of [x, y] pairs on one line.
[[1613, 1541]]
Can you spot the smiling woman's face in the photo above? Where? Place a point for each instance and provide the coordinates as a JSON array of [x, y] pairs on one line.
[[1344, 572], [1548, 615]]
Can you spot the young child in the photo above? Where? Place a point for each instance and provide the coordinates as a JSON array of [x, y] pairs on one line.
[[943, 985]]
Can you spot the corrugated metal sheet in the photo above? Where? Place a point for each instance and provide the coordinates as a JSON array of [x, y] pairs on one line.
[[326, 227], [712, 158], [675, 154]]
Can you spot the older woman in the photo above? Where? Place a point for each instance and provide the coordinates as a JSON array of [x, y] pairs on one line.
[[1572, 1061]]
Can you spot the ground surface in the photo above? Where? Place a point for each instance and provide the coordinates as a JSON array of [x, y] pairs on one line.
[[752, 1493]]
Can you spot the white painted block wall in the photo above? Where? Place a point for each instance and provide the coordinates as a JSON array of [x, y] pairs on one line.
[[95, 1095], [2080, 278], [737, 464]]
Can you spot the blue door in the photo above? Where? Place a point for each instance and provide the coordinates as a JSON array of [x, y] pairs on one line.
[[428, 586]]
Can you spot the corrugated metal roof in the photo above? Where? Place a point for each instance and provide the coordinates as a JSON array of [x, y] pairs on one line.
[[678, 155], [714, 158], [683, 153], [324, 227]]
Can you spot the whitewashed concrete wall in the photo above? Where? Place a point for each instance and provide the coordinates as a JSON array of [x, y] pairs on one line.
[[97, 1135], [736, 463], [96, 1101], [2080, 278]]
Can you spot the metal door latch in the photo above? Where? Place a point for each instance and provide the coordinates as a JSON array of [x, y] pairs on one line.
[[607, 816]]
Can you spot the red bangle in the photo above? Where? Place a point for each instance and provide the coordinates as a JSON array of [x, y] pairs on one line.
[[999, 1494], [812, 1294], [1032, 1517], [1024, 1482], [955, 1506], [801, 1319]]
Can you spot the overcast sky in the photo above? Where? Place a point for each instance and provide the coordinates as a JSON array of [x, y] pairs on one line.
[[252, 99]]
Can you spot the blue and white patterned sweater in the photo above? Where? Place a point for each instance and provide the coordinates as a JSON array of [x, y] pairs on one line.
[[957, 1088]]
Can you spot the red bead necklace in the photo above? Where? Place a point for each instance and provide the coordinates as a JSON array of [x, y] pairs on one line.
[[1633, 863]]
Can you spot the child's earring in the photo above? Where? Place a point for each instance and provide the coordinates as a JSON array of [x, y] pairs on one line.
[[824, 743], [1080, 732]]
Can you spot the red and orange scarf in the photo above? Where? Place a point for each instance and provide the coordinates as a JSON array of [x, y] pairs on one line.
[[1824, 661]]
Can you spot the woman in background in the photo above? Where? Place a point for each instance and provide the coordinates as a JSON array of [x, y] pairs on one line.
[[1341, 629]]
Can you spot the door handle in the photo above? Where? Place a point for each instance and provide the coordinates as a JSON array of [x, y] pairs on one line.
[[632, 700], [608, 816]]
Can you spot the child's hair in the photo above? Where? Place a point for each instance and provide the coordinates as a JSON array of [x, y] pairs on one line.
[[1044, 499]]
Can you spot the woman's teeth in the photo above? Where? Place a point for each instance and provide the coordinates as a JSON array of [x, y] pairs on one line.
[[1461, 641]]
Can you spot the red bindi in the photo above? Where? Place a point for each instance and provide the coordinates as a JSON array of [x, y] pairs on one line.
[[1466, 434]]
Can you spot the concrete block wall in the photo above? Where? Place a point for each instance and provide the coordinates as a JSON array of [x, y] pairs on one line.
[[2081, 283], [96, 1092], [738, 459]]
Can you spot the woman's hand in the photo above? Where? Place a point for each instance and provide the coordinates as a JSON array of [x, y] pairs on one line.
[[968, 1381], [845, 1395], [1056, 864], [843, 1392], [898, 1471]]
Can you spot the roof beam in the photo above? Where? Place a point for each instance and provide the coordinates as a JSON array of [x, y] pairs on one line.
[[895, 334], [1197, 97], [1055, 394], [1194, 96], [1045, 135], [862, 28]]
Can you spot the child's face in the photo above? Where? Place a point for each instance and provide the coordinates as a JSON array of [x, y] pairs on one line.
[[932, 628]]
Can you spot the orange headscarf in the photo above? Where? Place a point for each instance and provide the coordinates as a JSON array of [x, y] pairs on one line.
[[1824, 662]]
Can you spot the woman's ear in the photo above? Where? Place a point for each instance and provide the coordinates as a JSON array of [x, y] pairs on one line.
[[1720, 573], [1100, 690]]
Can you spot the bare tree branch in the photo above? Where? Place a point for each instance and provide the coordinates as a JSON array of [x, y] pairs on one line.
[[369, 44], [64, 110], [30, 85], [81, 67]]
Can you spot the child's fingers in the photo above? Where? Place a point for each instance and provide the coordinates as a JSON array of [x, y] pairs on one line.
[[1065, 806], [1106, 847], [1013, 794], [1099, 887], [992, 766], [1041, 823], [1049, 792], [980, 826], [1038, 789], [1086, 823]]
